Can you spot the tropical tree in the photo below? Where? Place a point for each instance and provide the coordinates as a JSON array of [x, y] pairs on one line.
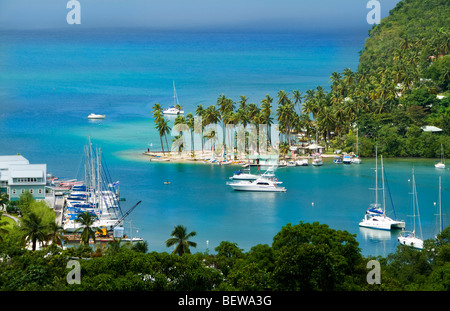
[[87, 228], [163, 129], [190, 122], [180, 239], [34, 229], [4, 199], [2, 230], [56, 234], [158, 115]]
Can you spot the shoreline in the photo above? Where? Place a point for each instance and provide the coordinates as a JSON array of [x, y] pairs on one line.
[[205, 158]]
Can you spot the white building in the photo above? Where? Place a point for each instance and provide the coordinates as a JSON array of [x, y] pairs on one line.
[[18, 176]]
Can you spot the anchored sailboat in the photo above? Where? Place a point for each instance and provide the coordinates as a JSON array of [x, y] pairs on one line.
[[442, 163], [410, 238], [176, 108], [375, 217]]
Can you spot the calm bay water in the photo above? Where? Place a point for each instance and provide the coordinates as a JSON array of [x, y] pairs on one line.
[[50, 81]]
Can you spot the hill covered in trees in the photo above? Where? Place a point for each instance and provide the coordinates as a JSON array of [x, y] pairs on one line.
[[401, 85]]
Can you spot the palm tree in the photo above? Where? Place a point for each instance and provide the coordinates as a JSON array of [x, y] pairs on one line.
[[164, 129], [2, 230], [56, 234], [4, 199], [157, 112], [199, 125], [297, 96], [114, 246], [180, 239], [141, 247], [86, 221], [266, 111], [284, 149], [33, 229], [190, 123], [180, 126]]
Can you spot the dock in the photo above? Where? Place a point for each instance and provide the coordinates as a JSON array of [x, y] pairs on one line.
[[59, 209]]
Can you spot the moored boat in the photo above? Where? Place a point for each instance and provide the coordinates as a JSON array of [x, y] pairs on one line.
[[410, 238], [375, 217], [96, 116], [259, 185]]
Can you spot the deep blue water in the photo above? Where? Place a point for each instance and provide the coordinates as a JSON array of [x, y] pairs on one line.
[[51, 80]]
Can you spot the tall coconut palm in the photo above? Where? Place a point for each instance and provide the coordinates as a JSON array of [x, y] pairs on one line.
[[163, 129], [180, 239], [159, 117], [226, 107], [309, 103], [199, 111], [190, 122], [34, 229], [297, 96], [266, 111], [86, 222], [180, 126], [56, 234]]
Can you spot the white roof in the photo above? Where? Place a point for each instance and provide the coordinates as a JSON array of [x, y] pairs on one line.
[[27, 174], [314, 146], [6, 161], [13, 169]]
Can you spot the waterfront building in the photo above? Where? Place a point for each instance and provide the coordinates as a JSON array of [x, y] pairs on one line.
[[18, 176]]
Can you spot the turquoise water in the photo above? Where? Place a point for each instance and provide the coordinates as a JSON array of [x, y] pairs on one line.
[[50, 81]]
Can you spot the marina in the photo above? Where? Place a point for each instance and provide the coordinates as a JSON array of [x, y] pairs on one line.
[[174, 188]]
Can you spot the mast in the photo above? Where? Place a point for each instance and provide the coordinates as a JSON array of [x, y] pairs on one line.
[[416, 205], [382, 181], [175, 97], [440, 207], [376, 177], [357, 152]]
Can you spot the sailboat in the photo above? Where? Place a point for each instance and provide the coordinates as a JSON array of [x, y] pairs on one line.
[[440, 224], [375, 217], [442, 163], [356, 159], [410, 238], [317, 160], [97, 194], [173, 110]]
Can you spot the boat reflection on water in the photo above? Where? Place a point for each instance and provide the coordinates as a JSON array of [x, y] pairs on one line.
[[376, 235]]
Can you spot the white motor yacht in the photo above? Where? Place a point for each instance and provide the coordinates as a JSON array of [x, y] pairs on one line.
[[246, 175], [96, 116], [302, 162], [260, 184]]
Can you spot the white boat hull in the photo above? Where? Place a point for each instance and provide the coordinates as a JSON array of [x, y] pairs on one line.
[[238, 187], [439, 165], [411, 241], [259, 185], [96, 116], [356, 161], [381, 222]]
